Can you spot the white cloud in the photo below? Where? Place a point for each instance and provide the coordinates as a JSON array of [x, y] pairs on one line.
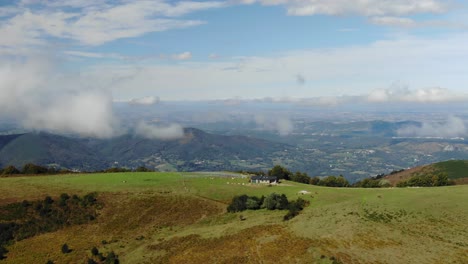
[[148, 100], [452, 127], [170, 132], [92, 55], [213, 56], [31, 93], [182, 56], [86, 113], [394, 21], [93, 23], [353, 71], [359, 7], [424, 95]]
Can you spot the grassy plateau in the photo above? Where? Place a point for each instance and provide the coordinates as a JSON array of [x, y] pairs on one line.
[[181, 218]]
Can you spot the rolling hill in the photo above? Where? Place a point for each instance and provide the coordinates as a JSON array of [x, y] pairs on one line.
[[181, 218], [198, 150]]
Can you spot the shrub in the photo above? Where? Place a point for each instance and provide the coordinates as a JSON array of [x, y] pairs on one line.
[[94, 251], [238, 204], [253, 203], [65, 249], [112, 258], [275, 201]]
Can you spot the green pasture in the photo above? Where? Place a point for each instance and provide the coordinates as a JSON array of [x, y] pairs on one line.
[[388, 225]]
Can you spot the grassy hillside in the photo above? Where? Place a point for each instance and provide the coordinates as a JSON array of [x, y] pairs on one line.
[[181, 218], [456, 170]]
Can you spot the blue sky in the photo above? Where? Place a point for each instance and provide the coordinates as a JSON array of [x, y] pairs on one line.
[[98, 51], [265, 46]]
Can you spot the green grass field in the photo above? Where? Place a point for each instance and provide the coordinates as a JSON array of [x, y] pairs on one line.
[[181, 218]]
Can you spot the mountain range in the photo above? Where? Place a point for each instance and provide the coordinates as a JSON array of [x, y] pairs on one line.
[[197, 150]]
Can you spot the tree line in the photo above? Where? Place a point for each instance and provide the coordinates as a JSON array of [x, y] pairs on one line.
[[423, 180], [33, 169], [331, 181]]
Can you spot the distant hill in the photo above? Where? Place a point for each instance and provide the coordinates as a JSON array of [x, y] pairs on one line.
[[198, 150], [456, 170]]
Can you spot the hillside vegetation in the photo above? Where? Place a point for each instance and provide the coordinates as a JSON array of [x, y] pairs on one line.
[[182, 218], [455, 170], [196, 151]]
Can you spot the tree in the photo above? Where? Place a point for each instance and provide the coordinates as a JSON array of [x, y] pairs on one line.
[[333, 181], [10, 170], [280, 172], [238, 204], [314, 181], [301, 177], [34, 169], [142, 169], [275, 201]]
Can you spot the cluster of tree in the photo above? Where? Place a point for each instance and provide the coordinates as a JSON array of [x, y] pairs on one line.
[[302, 177], [248, 172], [372, 183], [427, 180], [26, 219], [119, 169], [98, 258], [282, 173], [31, 169], [330, 181], [273, 201]]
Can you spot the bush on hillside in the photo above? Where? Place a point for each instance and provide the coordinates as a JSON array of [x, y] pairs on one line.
[[65, 249], [26, 219], [426, 180], [273, 201], [301, 177], [330, 181], [276, 201]]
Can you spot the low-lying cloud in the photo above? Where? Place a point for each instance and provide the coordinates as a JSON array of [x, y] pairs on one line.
[[284, 126], [169, 132], [40, 100], [452, 127], [148, 100], [425, 95]]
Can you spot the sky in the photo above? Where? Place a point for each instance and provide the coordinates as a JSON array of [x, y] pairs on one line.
[[62, 60]]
